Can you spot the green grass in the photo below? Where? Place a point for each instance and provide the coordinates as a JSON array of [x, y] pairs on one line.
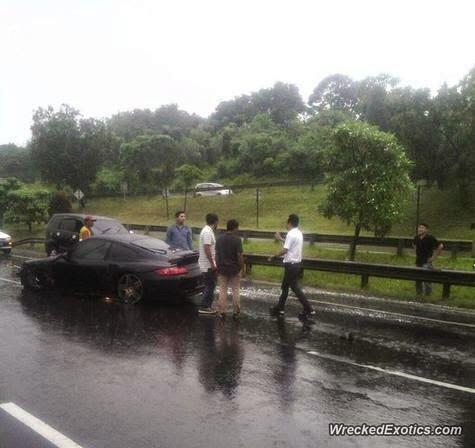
[[399, 289], [446, 217]]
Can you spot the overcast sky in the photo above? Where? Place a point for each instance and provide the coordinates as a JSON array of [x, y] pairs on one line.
[[106, 56]]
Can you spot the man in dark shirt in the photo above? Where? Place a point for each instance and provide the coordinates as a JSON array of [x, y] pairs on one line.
[[179, 235], [230, 261], [425, 245]]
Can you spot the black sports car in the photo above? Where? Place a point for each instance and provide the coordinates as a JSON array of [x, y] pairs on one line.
[[128, 266]]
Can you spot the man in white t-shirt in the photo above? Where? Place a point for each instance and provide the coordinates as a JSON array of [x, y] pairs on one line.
[[292, 252], [207, 262]]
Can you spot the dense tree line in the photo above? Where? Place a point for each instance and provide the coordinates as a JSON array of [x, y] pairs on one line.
[[271, 133]]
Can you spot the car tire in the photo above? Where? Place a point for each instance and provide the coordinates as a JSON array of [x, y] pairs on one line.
[[35, 281], [130, 289], [198, 195]]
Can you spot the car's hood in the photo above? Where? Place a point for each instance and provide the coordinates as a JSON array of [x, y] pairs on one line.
[[4, 235]]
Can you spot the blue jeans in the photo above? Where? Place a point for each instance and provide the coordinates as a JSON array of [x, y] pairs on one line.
[[209, 279], [426, 285]]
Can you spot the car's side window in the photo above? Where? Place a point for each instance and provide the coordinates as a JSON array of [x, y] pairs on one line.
[[71, 225], [119, 252], [91, 250]]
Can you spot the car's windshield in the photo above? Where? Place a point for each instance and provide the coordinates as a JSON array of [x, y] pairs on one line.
[[108, 226]]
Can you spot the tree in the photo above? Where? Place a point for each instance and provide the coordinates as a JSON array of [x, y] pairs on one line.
[[335, 92], [7, 185], [454, 110], [67, 148], [27, 205], [372, 93], [15, 161], [282, 103], [367, 179], [188, 175], [413, 122], [150, 161]]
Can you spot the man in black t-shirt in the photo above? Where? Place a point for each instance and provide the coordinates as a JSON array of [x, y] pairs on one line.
[[230, 261], [427, 250]]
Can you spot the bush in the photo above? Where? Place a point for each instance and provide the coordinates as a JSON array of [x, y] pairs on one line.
[[59, 203]]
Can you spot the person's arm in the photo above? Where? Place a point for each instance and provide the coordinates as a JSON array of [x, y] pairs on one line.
[[168, 238], [437, 252], [189, 239], [287, 244], [280, 254], [209, 256]]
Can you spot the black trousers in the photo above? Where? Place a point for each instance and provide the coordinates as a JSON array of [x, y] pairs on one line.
[[291, 280]]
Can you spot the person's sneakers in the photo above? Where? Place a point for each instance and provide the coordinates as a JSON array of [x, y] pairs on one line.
[[221, 315], [236, 315], [275, 311], [208, 310], [310, 313]]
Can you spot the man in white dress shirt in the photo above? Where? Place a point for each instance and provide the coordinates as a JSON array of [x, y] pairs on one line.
[[292, 252]]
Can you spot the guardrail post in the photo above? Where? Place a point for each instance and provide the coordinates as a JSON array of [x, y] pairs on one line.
[[473, 248], [364, 281], [312, 240], [453, 251], [446, 291], [400, 247], [147, 230], [248, 268], [246, 237]]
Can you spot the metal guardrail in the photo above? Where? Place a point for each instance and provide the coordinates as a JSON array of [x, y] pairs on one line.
[[399, 243], [444, 276], [28, 241]]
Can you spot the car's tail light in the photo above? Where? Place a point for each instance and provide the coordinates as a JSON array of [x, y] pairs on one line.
[[174, 270]]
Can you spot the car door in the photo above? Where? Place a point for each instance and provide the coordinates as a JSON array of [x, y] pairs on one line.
[[86, 266], [121, 259], [68, 233]]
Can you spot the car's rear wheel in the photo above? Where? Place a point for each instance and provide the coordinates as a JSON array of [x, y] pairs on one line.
[[130, 289], [34, 280]]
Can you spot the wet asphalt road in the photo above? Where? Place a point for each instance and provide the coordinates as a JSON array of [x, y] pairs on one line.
[[159, 375]]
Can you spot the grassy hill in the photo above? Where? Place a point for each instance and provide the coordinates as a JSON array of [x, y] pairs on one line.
[[440, 209]]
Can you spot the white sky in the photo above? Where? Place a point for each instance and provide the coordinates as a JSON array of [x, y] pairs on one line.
[[106, 56]]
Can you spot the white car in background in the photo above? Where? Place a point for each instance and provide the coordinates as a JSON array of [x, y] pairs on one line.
[[5, 243], [211, 189]]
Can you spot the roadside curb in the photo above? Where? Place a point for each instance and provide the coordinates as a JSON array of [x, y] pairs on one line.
[[379, 303]]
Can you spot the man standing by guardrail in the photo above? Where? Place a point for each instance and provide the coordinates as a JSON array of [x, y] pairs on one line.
[[178, 234], [425, 245], [207, 262], [292, 252]]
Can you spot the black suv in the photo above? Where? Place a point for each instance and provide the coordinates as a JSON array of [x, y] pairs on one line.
[[62, 230]]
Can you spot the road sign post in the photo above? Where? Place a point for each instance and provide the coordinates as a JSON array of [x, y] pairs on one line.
[[79, 195]]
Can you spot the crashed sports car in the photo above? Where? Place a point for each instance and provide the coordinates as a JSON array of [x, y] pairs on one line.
[[127, 266]]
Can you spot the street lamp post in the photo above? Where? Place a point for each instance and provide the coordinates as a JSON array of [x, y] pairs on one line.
[[420, 183]]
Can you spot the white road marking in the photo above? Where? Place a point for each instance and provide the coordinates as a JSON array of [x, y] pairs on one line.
[[49, 433], [392, 313], [10, 281], [395, 373]]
